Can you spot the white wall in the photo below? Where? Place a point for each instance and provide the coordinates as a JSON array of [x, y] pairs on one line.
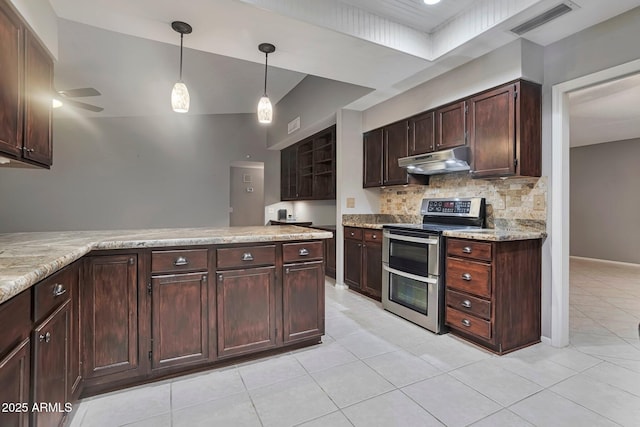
[[139, 172], [246, 196], [316, 101]]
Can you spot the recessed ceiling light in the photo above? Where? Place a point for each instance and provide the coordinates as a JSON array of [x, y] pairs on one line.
[[431, 2]]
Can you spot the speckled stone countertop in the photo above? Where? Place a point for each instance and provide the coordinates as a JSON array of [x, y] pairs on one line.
[[27, 258], [494, 235], [376, 221]]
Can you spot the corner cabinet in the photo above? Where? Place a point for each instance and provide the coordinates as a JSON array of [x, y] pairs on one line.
[[308, 168], [505, 131], [493, 292], [26, 88]]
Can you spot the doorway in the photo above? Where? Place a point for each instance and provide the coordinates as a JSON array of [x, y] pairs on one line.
[[246, 193], [560, 202]]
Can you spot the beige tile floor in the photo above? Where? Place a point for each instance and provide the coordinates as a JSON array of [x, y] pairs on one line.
[[374, 369]]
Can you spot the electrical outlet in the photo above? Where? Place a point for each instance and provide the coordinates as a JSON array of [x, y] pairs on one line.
[[539, 202], [351, 202]]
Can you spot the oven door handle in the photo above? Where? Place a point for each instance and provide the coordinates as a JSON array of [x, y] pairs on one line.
[[409, 275], [409, 238]]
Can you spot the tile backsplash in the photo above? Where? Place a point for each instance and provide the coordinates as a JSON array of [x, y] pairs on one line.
[[513, 203]]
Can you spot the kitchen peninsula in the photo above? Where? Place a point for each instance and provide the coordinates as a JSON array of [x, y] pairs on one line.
[[132, 306]]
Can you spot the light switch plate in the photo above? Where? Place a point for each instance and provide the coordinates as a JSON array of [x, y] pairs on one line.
[[351, 202]]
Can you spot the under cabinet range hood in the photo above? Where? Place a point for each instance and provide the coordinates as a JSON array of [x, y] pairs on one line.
[[438, 162]]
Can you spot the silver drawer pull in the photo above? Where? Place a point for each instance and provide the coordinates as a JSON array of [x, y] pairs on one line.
[[247, 256], [466, 276], [466, 303], [465, 322], [180, 261], [374, 236], [46, 337], [466, 250], [303, 252], [58, 290], [353, 234]]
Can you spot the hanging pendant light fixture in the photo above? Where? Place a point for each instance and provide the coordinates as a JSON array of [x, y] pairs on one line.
[[180, 93], [265, 110]]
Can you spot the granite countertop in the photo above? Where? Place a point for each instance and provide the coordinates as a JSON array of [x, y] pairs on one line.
[[494, 235], [376, 221], [27, 258]]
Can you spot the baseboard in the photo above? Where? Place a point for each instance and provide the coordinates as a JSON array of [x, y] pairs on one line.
[[341, 286], [545, 340], [605, 261]]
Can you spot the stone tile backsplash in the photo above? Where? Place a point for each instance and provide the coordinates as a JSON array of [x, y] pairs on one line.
[[513, 203]]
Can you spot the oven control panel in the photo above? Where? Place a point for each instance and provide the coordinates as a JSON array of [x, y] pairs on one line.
[[465, 207]]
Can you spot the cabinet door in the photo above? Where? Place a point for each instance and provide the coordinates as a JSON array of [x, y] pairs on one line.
[[110, 317], [14, 378], [396, 145], [492, 132], [372, 269], [38, 90], [451, 126], [303, 301], [75, 365], [51, 365], [11, 39], [330, 256], [288, 173], [246, 310], [180, 318], [353, 263], [372, 167], [421, 134]]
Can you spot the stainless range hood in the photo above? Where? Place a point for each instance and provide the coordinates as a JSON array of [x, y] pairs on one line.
[[445, 161]]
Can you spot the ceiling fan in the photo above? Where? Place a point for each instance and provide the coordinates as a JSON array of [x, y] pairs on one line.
[[65, 97]]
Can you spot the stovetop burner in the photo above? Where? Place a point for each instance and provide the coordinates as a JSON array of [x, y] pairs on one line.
[[432, 227]]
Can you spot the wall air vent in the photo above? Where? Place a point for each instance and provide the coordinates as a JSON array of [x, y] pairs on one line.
[[542, 19]]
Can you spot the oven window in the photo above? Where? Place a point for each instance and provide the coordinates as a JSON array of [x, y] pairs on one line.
[[409, 256], [408, 292]]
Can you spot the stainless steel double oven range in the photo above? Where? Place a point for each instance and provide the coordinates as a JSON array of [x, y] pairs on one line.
[[413, 264]]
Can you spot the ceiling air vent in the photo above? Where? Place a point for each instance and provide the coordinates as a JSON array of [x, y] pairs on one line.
[[542, 19]]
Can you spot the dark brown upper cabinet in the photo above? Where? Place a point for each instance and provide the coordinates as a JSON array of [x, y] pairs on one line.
[[372, 150], [308, 168], [451, 125], [26, 86], [504, 129], [422, 134]]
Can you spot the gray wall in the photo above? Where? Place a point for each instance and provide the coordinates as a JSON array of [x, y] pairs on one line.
[[605, 201], [138, 172], [316, 101], [247, 196]]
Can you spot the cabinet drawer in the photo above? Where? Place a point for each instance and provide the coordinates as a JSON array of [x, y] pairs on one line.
[[373, 236], [353, 233], [52, 292], [469, 276], [180, 260], [293, 252], [246, 256], [468, 304], [469, 249], [468, 323]]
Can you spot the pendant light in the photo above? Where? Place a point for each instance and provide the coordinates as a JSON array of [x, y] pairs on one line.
[[180, 93], [265, 110]]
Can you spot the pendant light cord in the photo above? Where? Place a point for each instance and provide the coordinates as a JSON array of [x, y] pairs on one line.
[[266, 58], [181, 38]]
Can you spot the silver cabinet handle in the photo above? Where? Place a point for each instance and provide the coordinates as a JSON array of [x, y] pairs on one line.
[[303, 252], [352, 234], [46, 337], [374, 236], [466, 276], [247, 256], [220, 277], [58, 290], [465, 322], [28, 150], [466, 303], [287, 271], [180, 261], [466, 250]]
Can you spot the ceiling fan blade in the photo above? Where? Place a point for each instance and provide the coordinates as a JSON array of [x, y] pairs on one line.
[[79, 92], [83, 105]]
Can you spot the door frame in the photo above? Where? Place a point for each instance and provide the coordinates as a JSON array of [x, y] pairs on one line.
[[560, 203]]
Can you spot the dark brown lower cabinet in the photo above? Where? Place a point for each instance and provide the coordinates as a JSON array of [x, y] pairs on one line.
[[363, 261], [330, 256], [110, 318], [303, 301], [180, 320], [15, 385], [246, 310], [51, 366]]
